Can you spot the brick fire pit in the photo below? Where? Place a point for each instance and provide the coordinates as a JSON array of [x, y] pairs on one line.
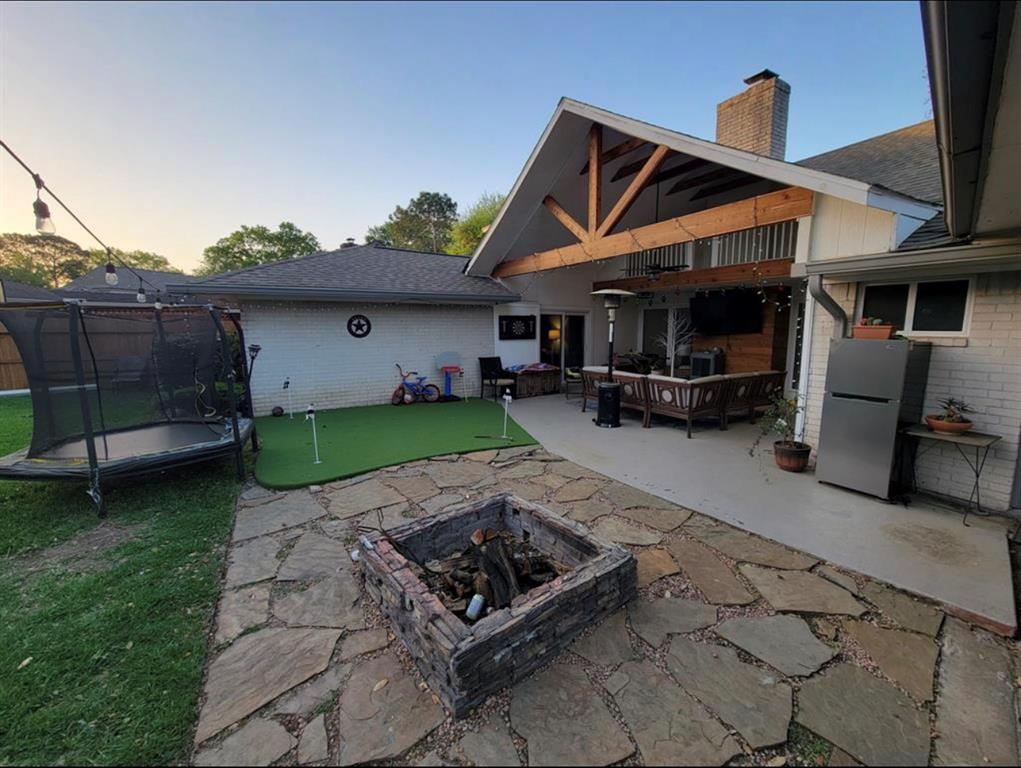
[[464, 664]]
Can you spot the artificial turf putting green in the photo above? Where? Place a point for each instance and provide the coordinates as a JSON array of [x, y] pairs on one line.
[[357, 440]]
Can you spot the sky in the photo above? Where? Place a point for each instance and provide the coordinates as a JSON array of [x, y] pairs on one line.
[[167, 126]]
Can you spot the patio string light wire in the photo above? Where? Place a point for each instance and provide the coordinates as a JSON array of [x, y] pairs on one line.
[[39, 207]]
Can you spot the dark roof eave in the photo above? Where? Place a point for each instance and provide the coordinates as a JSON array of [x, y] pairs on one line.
[[319, 294]]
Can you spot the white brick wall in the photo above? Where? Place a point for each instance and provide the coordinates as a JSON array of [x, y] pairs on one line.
[[984, 370], [309, 342]]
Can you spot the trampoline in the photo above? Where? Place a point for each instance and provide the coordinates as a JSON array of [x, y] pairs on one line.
[[119, 390]]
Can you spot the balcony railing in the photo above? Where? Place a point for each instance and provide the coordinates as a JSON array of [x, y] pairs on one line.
[[774, 241]]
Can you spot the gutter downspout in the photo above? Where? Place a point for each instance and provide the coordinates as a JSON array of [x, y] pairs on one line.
[[828, 303]]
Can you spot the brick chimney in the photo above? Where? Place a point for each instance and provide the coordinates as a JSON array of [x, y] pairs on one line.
[[756, 119]]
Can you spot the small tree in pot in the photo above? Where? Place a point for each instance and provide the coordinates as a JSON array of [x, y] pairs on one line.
[[678, 334], [780, 419]]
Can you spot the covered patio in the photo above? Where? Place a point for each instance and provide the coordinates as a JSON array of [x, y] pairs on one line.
[[922, 548]]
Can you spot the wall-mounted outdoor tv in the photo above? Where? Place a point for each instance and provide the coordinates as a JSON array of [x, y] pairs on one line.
[[721, 313]]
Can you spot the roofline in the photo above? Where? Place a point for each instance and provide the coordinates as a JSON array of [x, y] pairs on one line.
[[781, 171], [965, 99], [320, 294], [960, 258]]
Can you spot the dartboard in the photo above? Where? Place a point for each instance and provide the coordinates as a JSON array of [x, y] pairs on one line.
[[359, 326], [518, 327]]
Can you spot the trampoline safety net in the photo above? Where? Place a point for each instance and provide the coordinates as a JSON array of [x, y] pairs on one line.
[[127, 372]]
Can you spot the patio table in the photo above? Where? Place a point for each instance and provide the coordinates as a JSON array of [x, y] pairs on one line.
[[981, 442]]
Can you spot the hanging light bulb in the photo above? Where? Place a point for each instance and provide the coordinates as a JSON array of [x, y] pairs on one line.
[[140, 296], [111, 274], [157, 304], [43, 222]]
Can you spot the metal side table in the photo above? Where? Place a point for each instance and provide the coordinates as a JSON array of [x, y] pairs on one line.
[[963, 442]]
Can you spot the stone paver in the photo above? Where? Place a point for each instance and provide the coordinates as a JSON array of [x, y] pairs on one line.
[[905, 657], [490, 745], [295, 508], [661, 519], [753, 702], [801, 592], [710, 575], [333, 602], [578, 490], [482, 457], [259, 742], [866, 717], [457, 474], [613, 528], [441, 502], [240, 610], [909, 613], [309, 696], [314, 744], [389, 518], [363, 641], [744, 547], [654, 564], [256, 669], [655, 620], [785, 643], [416, 488], [253, 561], [609, 645], [625, 496], [975, 714], [525, 489], [382, 713], [564, 720], [361, 497], [671, 728], [314, 556], [587, 510], [840, 579], [522, 470]]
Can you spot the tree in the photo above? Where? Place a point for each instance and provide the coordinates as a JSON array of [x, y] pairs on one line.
[[471, 227], [48, 261], [134, 259], [250, 246], [425, 225]]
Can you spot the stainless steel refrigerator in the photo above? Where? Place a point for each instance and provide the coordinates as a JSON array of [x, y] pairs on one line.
[[872, 389]]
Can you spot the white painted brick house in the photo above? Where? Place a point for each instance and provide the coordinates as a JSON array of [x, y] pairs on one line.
[[418, 306]]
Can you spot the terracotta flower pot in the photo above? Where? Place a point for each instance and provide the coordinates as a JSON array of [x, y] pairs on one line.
[[791, 456], [881, 332], [936, 424]]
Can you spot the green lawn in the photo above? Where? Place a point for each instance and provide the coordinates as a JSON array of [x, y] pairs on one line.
[[117, 649], [357, 440]]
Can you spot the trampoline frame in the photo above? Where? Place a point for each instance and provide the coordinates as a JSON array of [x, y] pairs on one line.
[[20, 466]]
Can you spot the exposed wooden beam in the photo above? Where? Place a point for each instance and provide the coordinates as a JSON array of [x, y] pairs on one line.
[[565, 218], [697, 181], [771, 208], [772, 269], [595, 178], [677, 170], [623, 205], [617, 150]]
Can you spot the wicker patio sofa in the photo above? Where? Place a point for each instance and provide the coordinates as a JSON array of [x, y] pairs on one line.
[[706, 397]]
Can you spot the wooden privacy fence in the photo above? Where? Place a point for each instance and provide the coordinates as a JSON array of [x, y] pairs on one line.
[[12, 372]]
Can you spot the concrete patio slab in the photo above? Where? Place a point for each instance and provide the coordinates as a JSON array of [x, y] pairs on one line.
[[921, 548]]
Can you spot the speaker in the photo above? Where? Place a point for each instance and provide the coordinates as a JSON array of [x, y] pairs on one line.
[[708, 363]]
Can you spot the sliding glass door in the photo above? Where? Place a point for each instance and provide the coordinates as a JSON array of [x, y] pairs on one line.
[[562, 340]]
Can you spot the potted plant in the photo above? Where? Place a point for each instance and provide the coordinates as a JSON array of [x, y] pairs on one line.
[[873, 328], [780, 418], [952, 418]]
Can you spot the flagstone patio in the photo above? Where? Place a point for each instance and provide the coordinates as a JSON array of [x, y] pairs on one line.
[[737, 648]]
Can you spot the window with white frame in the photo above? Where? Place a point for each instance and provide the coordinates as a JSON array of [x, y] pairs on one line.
[[920, 307]]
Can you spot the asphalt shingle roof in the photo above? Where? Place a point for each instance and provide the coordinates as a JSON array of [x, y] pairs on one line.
[[904, 161], [23, 292], [360, 271], [155, 280]]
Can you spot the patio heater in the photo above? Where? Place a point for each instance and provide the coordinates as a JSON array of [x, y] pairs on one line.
[[608, 410]]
